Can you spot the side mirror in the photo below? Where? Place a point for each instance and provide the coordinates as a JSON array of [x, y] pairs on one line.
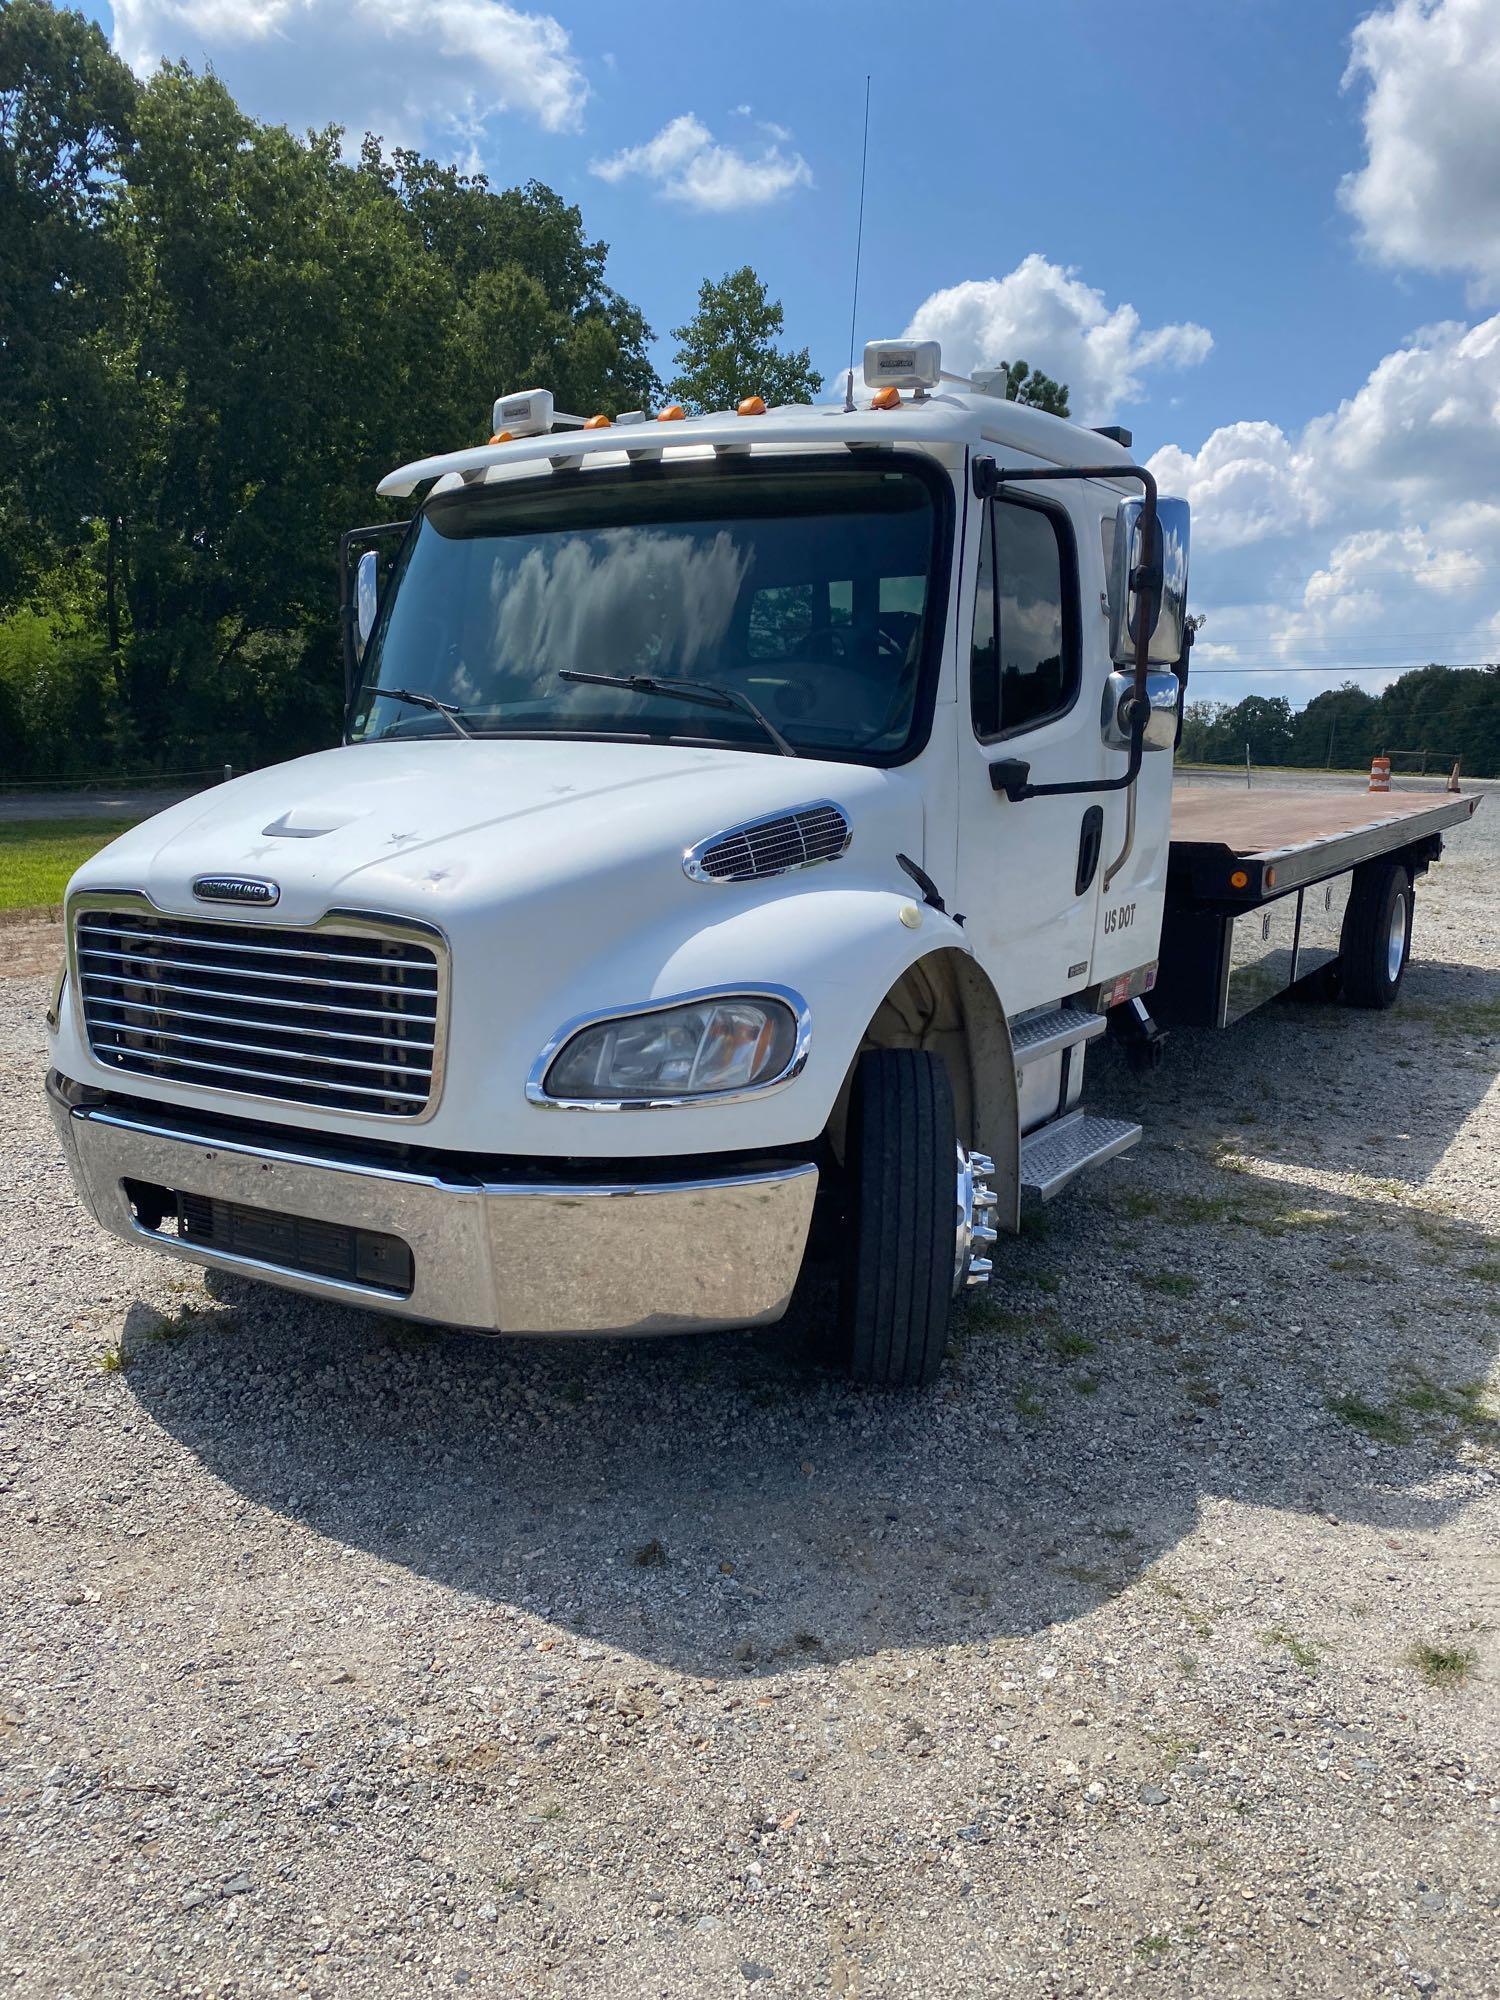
[[366, 596], [1163, 608], [1163, 696]]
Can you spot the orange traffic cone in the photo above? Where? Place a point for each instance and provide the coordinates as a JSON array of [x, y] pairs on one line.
[[1380, 774], [1453, 776]]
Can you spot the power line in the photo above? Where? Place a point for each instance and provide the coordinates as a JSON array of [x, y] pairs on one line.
[[1345, 667]]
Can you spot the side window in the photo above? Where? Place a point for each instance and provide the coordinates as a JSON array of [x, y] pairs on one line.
[[1024, 664]]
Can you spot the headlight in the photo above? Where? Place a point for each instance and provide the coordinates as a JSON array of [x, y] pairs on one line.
[[704, 1047]]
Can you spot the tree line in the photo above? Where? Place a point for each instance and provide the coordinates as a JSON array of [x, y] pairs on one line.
[[1449, 712], [215, 337]]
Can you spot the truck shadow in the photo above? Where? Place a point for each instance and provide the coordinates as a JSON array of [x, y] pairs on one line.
[[1209, 1319]]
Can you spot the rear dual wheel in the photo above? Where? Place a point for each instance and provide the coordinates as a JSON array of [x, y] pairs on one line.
[[1376, 943], [918, 1220]]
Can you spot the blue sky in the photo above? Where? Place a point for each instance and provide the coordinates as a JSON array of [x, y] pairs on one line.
[[1281, 271]]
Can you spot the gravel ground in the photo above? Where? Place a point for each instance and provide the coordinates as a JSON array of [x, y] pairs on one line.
[[346, 1658]]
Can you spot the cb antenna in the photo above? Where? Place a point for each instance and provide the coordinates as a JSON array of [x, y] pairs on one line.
[[859, 238]]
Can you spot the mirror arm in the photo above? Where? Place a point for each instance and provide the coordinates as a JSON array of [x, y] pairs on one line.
[[1010, 776]]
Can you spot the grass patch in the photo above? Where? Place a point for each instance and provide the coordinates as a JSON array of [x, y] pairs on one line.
[[1028, 1404], [1283, 1221], [1480, 1018], [1444, 1666], [1176, 1284], [1303, 1651], [1355, 1266], [1088, 1385], [1383, 1425], [1004, 1319], [38, 855], [1088, 1573], [1464, 1404], [1072, 1346], [1487, 1271], [1201, 1623], [113, 1359]]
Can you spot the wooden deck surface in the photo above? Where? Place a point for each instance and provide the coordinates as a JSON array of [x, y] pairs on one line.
[[1257, 822]]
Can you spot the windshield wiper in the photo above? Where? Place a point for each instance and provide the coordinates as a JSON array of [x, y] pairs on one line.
[[451, 715], [706, 693]]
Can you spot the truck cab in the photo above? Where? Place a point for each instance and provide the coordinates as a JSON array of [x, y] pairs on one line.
[[740, 819]]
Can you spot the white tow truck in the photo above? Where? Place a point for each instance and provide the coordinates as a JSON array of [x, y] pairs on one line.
[[740, 818]]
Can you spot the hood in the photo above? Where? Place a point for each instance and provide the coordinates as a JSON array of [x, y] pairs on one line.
[[428, 829]]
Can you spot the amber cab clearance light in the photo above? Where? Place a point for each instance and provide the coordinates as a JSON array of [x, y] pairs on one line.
[[752, 406], [597, 424], [672, 414], [501, 437], [886, 399]]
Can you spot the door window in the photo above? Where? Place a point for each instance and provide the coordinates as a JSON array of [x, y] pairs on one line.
[[1024, 666]]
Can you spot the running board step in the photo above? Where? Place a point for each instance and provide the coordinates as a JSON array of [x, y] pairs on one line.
[[1054, 1154], [1041, 1035]]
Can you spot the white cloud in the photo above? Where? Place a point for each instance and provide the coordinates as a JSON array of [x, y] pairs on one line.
[[1428, 195], [1371, 537], [1046, 315], [402, 68], [687, 164]]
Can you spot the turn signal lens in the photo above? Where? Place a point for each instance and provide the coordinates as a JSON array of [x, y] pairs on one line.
[[752, 406], [687, 1051], [886, 399], [672, 414]]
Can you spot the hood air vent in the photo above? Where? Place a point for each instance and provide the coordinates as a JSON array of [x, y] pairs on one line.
[[771, 846]]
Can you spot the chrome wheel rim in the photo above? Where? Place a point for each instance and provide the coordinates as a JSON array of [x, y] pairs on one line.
[[976, 1232], [1395, 944]]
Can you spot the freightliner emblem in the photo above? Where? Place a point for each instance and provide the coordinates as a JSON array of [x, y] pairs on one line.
[[235, 889]]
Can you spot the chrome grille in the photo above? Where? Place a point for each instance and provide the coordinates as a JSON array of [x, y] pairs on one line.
[[346, 1019], [771, 846]]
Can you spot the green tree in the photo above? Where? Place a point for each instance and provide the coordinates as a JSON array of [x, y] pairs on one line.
[[1336, 728], [1032, 387], [1199, 720], [66, 107], [728, 349]]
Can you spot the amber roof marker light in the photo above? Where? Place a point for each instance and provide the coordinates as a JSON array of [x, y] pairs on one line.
[[752, 406], [674, 413]]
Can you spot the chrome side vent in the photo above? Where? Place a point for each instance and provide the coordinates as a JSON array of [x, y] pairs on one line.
[[771, 846]]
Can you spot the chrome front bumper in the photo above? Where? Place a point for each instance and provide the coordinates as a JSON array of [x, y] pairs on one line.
[[611, 1257]]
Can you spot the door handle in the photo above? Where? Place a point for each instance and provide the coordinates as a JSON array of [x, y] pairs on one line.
[[1090, 843]]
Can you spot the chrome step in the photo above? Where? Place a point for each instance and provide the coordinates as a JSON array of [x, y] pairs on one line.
[[1038, 1035], [1054, 1154]]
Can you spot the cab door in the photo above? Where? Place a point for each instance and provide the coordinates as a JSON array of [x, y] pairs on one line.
[[1029, 871]]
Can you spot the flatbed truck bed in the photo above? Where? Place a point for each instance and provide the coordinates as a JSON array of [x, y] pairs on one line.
[[1259, 887]]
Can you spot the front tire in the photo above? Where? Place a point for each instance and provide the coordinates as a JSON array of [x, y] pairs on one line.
[[1377, 935], [896, 1288]]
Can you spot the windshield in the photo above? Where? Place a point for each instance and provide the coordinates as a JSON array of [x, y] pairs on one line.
[[805, 589]]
